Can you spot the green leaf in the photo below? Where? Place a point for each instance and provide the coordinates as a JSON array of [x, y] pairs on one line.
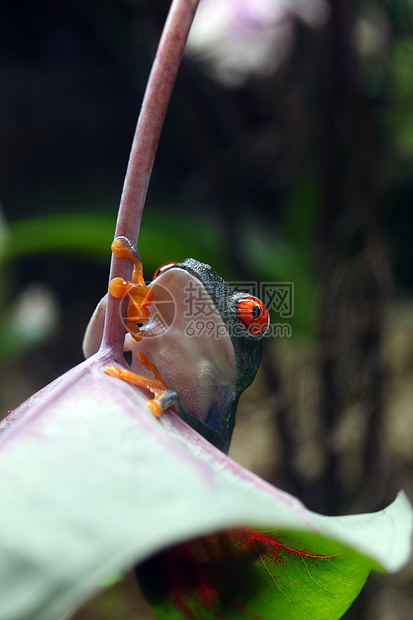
[[84, 235], [249, 574], [91, 483], [89, 236]]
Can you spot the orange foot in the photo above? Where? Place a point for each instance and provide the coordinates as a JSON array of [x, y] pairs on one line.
[[156, 385], [140, 298]]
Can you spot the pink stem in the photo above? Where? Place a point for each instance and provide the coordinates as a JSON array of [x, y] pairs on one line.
[[145, 142]]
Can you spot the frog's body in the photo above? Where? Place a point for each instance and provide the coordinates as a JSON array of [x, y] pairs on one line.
[[202, 349]]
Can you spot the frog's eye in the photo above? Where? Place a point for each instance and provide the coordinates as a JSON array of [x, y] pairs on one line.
[[253, 314], [163, 268]]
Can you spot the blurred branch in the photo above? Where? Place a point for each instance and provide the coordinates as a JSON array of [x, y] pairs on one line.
[[352, 250]]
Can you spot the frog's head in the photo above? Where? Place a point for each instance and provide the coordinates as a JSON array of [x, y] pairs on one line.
[[205, 339], [245, 317]]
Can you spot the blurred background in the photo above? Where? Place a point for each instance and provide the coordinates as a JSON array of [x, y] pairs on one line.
[[286, 156]]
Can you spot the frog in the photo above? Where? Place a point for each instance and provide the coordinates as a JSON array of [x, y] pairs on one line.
[[195, 342]]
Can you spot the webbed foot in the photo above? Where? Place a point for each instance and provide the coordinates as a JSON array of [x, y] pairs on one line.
[[155, 386], [140, 296], [163, 399]]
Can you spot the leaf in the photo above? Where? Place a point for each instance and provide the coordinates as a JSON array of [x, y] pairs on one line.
[[78, 234], [249, 574], [91, 482], [89, 235]]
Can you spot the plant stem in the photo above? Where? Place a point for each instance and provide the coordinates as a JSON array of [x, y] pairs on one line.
[[145, 142]]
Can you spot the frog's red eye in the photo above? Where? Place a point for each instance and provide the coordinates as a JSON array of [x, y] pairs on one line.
[[163, 268], [253, 314]]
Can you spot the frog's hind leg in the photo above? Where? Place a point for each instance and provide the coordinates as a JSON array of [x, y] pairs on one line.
[[94, 330], [163, 397]]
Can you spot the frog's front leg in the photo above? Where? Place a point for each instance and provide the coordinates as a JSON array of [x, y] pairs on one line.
[[140, 298], [136, 289]]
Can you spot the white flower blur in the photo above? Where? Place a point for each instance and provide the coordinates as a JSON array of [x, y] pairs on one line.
[[35, 314], [239, 38]]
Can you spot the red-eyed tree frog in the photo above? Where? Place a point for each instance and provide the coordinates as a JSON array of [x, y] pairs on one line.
[[201, 339]]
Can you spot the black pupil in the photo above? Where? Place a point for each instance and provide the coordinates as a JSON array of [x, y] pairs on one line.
[[256, 312]]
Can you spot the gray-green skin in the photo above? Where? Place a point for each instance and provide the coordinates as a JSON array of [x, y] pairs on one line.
[[247, 350], [206, 373]]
